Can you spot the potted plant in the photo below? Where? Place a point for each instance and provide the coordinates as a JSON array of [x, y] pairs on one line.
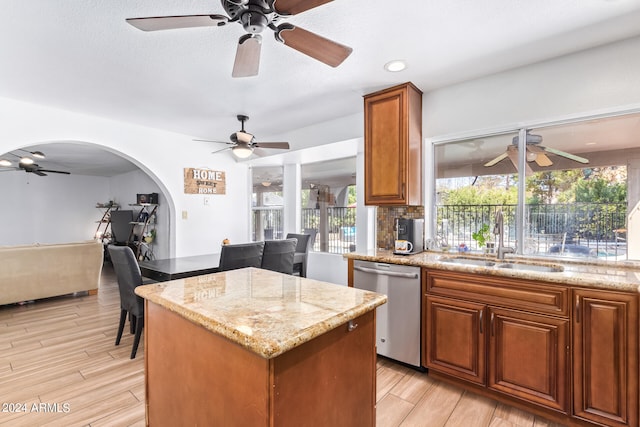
[[150, 235], [482, 235]]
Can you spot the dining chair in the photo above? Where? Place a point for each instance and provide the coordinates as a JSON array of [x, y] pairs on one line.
[[278, 255], [241, 255], [301, 253], [129, 277]]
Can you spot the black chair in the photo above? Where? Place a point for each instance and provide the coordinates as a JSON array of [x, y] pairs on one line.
[[129, 277], [278, 255], [241, 255], [302, 252], [121, 226]]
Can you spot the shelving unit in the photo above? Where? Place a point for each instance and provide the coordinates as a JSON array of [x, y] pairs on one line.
[[142, 235], [103, 231]]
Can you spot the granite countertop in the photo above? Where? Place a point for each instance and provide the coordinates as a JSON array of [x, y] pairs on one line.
[[618, 275], [266, 312]]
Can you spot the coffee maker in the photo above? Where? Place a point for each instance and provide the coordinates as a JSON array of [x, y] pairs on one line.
[[411, 229]]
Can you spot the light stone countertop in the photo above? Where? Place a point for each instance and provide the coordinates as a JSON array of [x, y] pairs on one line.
[[617, 275], [263, 311]]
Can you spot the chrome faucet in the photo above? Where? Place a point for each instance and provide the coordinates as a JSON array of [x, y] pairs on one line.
[[498, 230]]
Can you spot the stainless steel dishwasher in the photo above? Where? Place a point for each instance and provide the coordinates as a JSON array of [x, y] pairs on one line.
[[397, 321]]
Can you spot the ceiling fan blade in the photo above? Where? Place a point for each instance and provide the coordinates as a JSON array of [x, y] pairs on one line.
[[247, 61], [38, 172], [278, 145], [211, 140], [567, 155], [51, 171], [498, 159], [293, 7], [222, 149], [156, 23], [512, 153], [313, 45], [541, 159]]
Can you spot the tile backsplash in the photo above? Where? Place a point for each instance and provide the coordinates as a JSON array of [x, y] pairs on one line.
[[385, 220]]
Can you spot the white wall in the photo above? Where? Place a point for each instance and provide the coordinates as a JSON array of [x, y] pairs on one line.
[[601, 79], [327, 267], [162, 155], [49, 209]]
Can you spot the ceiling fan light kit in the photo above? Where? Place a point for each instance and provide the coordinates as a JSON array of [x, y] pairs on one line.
[[255, 16], [242, 151]]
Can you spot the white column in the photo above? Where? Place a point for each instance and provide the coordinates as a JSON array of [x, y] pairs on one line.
[[291, 187], [365, 215]]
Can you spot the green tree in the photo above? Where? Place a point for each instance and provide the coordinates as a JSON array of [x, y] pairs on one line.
[[600, 190]]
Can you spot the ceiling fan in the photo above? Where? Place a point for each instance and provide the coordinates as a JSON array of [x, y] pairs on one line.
[[535, 153], [38, 170], [255, 16], [243, 143]]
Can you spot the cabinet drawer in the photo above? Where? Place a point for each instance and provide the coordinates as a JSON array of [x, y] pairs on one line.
[[499, 291]]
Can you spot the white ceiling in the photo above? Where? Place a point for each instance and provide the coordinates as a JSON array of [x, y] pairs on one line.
[[81, 55]]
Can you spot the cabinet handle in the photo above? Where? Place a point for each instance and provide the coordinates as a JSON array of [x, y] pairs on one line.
[[493, 328], [481, 313], [577, 309]]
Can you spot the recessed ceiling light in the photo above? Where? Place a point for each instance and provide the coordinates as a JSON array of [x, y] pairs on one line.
[[591, 143], [395, 65]]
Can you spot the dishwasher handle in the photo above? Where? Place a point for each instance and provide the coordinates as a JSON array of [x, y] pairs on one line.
[[387, 273]]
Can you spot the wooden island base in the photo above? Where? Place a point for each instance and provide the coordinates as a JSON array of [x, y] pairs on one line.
[[196, 377]]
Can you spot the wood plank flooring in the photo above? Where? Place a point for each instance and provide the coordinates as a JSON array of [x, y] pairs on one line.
[[59, 367]]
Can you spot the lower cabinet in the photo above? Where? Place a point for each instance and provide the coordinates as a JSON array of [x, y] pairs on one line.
[[456, 343], [520, 354], [605, 363], [528, 357], [566, 351]]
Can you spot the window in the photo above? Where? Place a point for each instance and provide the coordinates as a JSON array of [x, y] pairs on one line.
[[267, 204], [329, 204], [577, 190]]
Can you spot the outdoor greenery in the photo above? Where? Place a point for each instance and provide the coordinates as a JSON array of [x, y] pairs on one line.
[[590, 185], [585, 203]]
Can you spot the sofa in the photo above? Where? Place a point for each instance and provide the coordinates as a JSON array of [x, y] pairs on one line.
[[37, 271]]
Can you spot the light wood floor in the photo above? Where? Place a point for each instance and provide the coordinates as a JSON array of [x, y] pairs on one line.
[[59, 367]]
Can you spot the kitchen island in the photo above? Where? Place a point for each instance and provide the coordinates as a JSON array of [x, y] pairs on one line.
[[253, 347]]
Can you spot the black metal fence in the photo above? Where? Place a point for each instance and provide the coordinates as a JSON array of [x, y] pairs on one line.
[[340, 235], [595, 225]]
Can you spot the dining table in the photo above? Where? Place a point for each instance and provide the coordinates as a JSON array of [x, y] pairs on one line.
[[162, 270]]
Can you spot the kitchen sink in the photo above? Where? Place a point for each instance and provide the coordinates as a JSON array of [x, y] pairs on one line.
[[532, 267], [469, 261], [522, 266]]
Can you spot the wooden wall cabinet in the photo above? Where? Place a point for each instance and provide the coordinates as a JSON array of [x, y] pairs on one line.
[[393, 146], [605, 363]]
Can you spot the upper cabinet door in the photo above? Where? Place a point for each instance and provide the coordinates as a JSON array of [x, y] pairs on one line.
[[393, 146]]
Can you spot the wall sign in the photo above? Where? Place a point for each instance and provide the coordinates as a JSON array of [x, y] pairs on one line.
[[204, 181]]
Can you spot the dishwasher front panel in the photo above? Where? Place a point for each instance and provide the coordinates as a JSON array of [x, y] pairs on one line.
[[397, 321]]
